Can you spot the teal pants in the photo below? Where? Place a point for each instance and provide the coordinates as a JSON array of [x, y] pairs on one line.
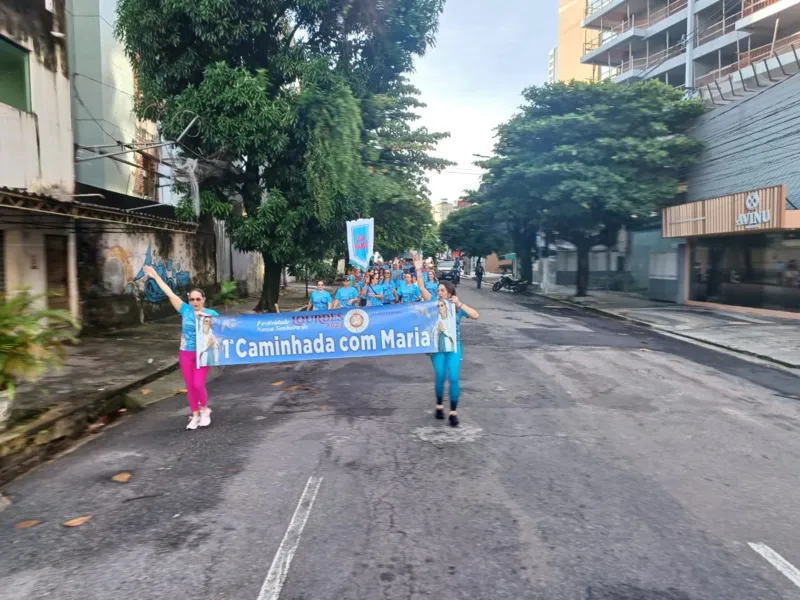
[[446, 366]]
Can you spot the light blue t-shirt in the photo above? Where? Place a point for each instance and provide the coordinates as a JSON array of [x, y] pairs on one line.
[[189, 326], [345, 294], [374, 288], [432, 287], [388, 291], [409, 292], [320, 300]]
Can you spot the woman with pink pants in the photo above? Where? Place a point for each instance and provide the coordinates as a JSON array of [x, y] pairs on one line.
[[193, 376]]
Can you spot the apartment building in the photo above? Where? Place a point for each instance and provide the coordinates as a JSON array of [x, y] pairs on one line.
[[721, 48], [565, 59], [441, 210]]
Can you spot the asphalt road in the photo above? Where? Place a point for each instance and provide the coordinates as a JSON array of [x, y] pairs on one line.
[[595, 461]]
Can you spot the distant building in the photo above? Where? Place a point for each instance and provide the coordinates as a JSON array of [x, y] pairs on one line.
[[441, 211], [566, 59]]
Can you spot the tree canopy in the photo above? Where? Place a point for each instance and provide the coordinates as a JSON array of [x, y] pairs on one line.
[[305, 104], [474, 230], [580, 160]]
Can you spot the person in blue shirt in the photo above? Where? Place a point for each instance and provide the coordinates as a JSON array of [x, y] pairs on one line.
[[388, 287], [447, 365], [346, 295], [320, 298], [372, 290], [408, 291], [431, 284], [193, 376]]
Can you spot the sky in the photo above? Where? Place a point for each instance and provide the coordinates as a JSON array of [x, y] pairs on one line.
[[486, 53]]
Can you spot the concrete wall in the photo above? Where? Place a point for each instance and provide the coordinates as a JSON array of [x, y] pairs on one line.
[[246, 268], [750, 144], [36, 147], [653, 264], [114, 291]]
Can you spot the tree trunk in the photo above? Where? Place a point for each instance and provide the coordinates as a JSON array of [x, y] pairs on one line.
[[582, 276], [272, 285]]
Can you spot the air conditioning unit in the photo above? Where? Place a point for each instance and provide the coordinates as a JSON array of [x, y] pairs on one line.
[[48, 4]]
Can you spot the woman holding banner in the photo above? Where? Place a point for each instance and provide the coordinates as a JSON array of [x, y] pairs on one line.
[[447, 365], [193, 376]]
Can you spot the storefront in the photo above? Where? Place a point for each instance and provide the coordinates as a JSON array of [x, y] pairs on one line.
[[744, 249]]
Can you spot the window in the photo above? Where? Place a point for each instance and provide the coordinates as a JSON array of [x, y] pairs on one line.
[[14, 76]]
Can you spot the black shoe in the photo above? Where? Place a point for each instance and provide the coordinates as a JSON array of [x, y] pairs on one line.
[[440, 413], [453, 420]]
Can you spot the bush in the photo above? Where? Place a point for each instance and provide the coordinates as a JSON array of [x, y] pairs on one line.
[[228, 294], [32, 341]]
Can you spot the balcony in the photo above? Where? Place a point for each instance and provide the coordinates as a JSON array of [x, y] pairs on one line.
[[19, 151], [717, 30], [751, 57], [611, 38], [644, 67], [763, 14]]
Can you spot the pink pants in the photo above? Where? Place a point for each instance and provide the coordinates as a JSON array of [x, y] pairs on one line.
[[195, 379]]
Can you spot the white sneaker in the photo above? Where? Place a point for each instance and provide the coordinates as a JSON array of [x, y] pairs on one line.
[[194, 421], [205, 417]]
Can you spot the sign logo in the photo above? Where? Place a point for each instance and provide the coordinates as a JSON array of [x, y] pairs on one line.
[[356, 321], [754, 218]]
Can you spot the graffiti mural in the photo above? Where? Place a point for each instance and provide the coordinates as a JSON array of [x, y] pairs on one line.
[[170, 271]]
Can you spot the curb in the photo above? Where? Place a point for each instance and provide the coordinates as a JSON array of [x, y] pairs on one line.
[[27, 445], [645, 324]]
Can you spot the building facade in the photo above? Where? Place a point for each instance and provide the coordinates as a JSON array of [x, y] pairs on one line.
[[566, 57], [441, 211], [742, 220], [37, 251], [721, 48], [103, 90]]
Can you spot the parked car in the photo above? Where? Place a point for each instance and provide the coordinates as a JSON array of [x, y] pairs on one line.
[[447, 270]]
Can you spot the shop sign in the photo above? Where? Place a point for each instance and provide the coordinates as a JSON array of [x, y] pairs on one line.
[[754, 217]]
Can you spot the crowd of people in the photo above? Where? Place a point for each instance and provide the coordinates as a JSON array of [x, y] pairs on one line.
[[391, 283], [398, 282]]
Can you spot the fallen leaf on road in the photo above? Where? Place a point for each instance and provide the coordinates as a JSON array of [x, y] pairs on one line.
[[645, 350], [180, 391], [323, 407], [77, 521], [26, 524], [144, 391], [277, 383], [291, 388], [123, 477]]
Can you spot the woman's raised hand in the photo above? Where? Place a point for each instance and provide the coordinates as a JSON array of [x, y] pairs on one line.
[[149, 271]]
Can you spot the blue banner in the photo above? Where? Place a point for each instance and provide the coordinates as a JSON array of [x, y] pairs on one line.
[[416, 328], [360, 241]]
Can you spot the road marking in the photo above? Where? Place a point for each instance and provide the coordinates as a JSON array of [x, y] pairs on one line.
[[776, 560], [279, 569]]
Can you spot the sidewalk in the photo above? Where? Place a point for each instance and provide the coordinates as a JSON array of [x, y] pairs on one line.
[[125, 369], [775, 339]]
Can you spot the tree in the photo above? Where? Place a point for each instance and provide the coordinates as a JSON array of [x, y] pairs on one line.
[[583, 159], [473, 230], [279, 87]]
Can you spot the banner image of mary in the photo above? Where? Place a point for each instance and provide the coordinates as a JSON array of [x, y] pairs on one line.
[[444, 331]]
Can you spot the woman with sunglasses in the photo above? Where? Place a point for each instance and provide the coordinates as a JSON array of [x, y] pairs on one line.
[[447, 365], [193, 376], [320, 298], [346, 295]]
